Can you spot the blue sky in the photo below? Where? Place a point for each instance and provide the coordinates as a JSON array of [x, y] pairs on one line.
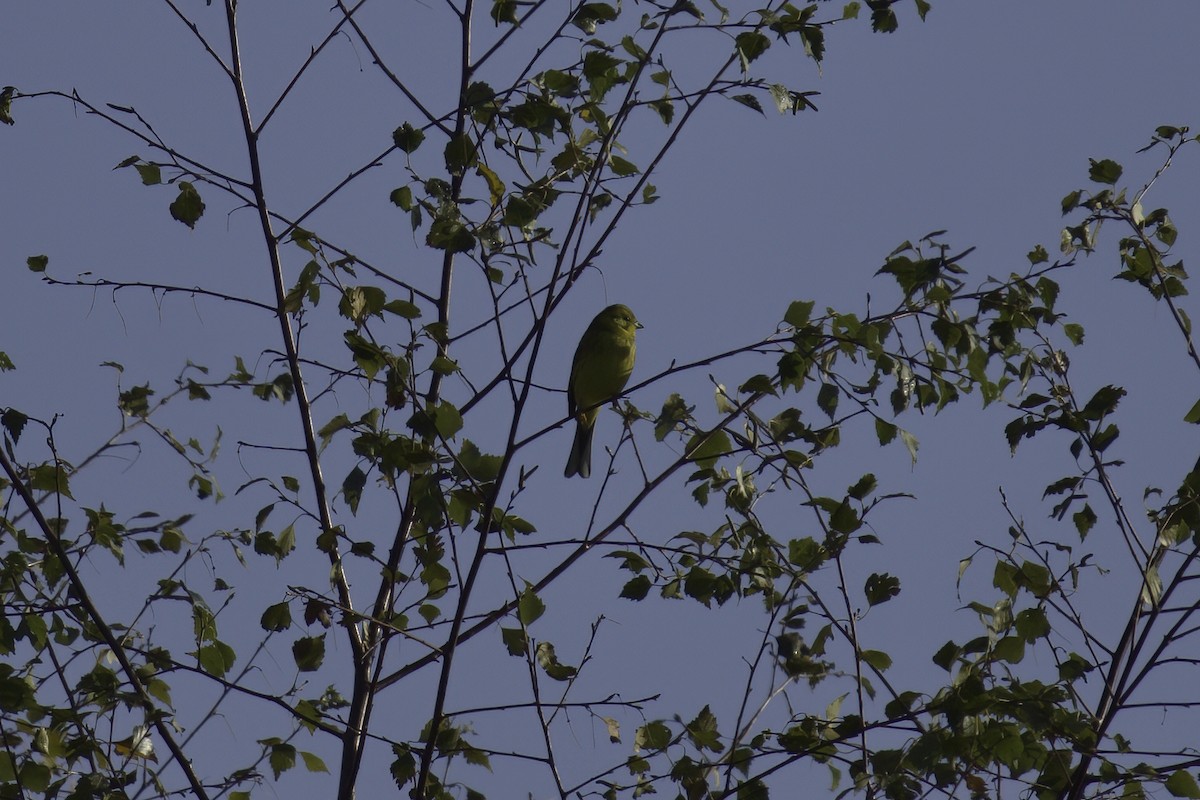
[[977, 121]]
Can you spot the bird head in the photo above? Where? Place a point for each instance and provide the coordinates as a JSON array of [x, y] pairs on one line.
[[621, 317]]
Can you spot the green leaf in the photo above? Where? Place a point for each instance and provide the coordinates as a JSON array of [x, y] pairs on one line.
[[785, 99], [1193, 416], [282, 758], [702, 585], [308, 715], [402, 308], [1084, 519], [159, 690], [704, 449], [946, 655], [1037, 578], [285, 543], [652, 736], [352, 488], [360, 302], [621, 167], [703, 731], [1182, 784], [443, 420], [636, 588], [37, 263], [14, 422], [402, 197], [520, 212], [477, 757], [1104, 401], [316, 610], [429, 612], [1167, 232], [187, 207], [313, 763], [494, 184], [1074, 667], [910, 443], [481, 98], [404, 768], [1104, 171], [136, 401], [562, 84], [548, 661], [480, 467], [408, 138], [877, 659], [444, 366], [749, 101], [327, 431], [151, 174], [674, 411], [844, 519], [863, 487], [805, 553], [277, 617], [6, 96], [633, 48], [460, 153], [750, 45], [883, 19], [614, 729], [813, 37], [666, 112], [515, 641], [881, 587], [1032, 624], [529, 606], [589, 15], [216, 658], [436, 576], [309, 652], [1152, 587], [601, 73], [34, 777], [1104, 438], [504, 11], [447, 232], [50, 478], [827, 399], [799, 313]]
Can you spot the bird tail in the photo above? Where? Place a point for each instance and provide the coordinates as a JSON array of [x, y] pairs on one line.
[[580, 461]]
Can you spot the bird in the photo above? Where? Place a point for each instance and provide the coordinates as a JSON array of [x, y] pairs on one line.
[[601, 367]]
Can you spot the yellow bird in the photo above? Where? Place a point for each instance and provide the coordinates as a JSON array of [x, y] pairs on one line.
[[600, 370]]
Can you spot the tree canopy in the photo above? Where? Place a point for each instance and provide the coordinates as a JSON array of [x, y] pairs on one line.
[[306, 540]]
